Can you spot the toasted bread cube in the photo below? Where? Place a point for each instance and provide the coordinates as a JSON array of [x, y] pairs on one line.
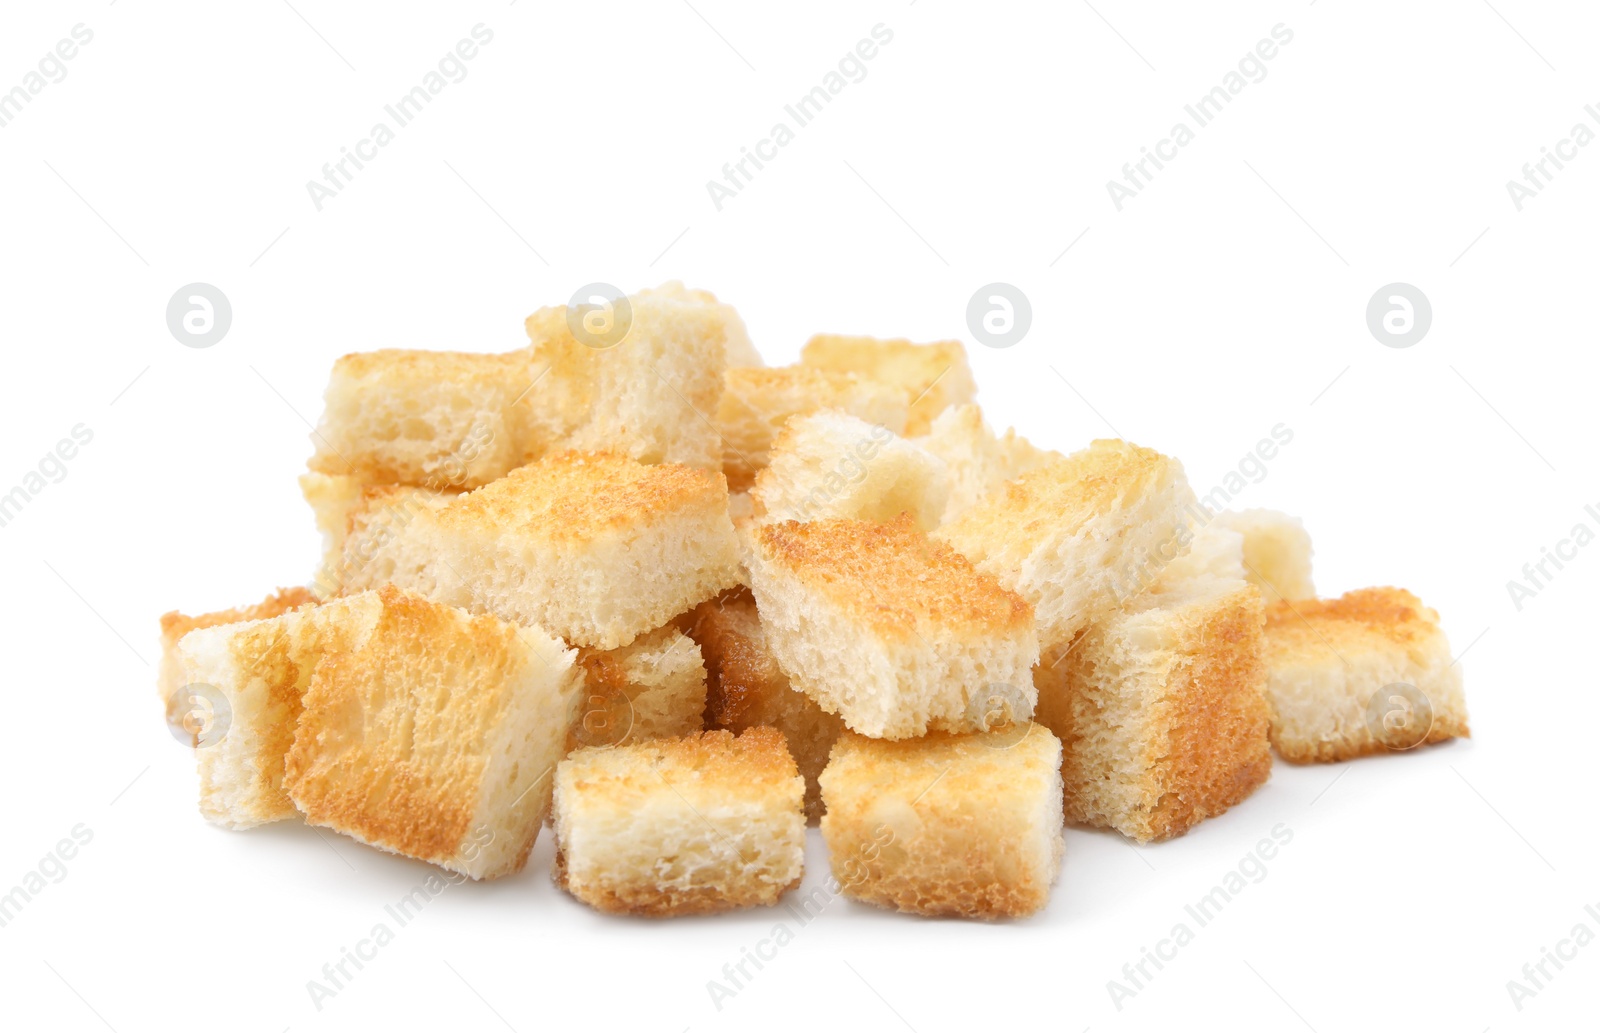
[[966, 825], [1369, 672], [1081, 535], [747, 689], [436, 735], [756, 403], [175, 625], [891, 630], [650, 395], [1161, 709], [831, 464], [709, 822], [978, 461], [1214, 552], [593, 547], [438, 419], [357, 520], [933, 376], [1277, 552], [241, 690], [652, 688]]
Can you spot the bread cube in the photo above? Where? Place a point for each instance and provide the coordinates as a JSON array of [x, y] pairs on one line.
[[241, 692], [1369, 672], [932, 376], [1161, 710], [175, 625], [652, 688], [978, 462], [650, 394], [747, 689], [438, 419], [593, 547], [756, 403], [891, 630], [1277, 552], [966, 825], [357, 522], [709, 822], [435, 735], [1081, 535], [831, 464], [1214, 552]]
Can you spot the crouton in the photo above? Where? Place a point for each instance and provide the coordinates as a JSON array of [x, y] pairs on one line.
[[437, 419], [593, 547], [175, 625], [1366, 673], [933, 376], [894, 632], [977, 461], [964, 825], [245, 682], [1214, 551], [644, 383], [1081, 535], [436, 735], [1277, 552], [653, 688], [746, 688], [831, 464], [756, 403], [358, 519], [709, 822], [1160, 708]]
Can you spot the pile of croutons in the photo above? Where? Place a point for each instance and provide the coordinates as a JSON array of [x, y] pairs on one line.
[[680, 605]]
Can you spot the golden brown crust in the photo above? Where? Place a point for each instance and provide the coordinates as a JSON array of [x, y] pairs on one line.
[[892, 577], [568, 496], [1391, 613], [175, 625], [965, 825], [934, 376]]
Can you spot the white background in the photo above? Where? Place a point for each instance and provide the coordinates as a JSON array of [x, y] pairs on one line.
[[1229, 296]]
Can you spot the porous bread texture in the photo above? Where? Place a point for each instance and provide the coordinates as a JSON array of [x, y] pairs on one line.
[[831, 464], [357, 520], [978, 462], [261, 669], [431, 418], [964, 825], [1080, 536], [933, 376], [1328, 660], [896, 633], [593, 547], [1161, 708], [1277, 552], [175, 625], [436, 735], [756, 403], [652, 688], [704, 823], [651, 395], [747, 689], [1214, 552]]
